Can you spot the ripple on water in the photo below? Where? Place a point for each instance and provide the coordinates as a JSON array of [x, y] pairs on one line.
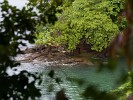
[[105, 80]]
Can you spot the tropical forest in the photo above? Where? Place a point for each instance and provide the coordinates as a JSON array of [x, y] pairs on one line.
[[66, 50]]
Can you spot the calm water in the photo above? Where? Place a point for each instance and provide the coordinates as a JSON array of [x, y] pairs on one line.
[[105, 80]]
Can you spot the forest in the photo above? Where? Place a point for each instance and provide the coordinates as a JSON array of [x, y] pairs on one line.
[[78, 37], [94, 22]]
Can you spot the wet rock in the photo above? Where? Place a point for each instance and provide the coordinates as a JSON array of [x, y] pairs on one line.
[[52, 53]]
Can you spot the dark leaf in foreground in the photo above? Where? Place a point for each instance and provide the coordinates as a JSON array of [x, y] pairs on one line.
[[61, 95], [93, 93], [51, 74]]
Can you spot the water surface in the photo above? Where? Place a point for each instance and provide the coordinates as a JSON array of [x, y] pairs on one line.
[[105, 80]]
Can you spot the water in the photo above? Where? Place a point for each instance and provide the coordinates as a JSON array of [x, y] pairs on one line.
[[105, 80]]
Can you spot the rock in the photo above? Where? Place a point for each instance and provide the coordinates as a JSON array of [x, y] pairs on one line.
[[53, 53]]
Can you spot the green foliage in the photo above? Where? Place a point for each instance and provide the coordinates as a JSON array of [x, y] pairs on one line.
[[125, 89], [16, 26], [94, 21], [43, 38]]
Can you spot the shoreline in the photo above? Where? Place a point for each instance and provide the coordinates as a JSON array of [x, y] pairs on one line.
[[44, 54]]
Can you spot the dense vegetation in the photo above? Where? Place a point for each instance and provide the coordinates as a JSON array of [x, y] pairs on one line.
[[16, 26], [94, 22]]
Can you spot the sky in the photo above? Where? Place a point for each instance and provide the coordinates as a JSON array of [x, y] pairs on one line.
[[18, 3]]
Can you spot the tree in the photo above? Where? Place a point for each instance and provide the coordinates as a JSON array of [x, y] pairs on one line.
[[94, 21], [17, 25]]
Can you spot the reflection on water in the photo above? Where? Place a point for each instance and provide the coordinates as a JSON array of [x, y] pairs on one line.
[[105, 80]]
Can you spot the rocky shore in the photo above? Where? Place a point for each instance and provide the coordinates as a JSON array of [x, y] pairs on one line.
[[52, 54]]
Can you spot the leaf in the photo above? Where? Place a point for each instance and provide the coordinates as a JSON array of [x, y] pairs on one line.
[[61, 95], [51, 74]]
